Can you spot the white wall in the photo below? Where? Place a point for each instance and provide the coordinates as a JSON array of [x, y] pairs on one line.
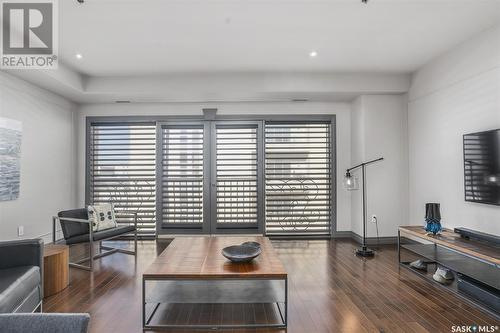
[[457, 93], [379, 129], [341, 110], [47, 158], [357, 156]]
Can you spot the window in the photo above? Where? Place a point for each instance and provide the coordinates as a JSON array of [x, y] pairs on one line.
[[121, 170], [298, 178], [236, 175], [216, 176], [182, 174]]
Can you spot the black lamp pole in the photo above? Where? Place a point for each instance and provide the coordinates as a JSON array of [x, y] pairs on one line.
[[363, 251]]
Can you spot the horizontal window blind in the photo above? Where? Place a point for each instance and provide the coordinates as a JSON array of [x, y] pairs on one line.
[[297, 178], [122, 171], [182, 175], [236, 174]]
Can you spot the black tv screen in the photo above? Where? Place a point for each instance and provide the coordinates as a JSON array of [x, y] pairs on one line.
[[482, 167]]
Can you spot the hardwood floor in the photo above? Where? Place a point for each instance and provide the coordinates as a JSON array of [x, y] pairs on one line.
[[330, 290]]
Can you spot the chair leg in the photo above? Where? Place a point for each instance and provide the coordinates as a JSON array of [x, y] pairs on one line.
[[109, 250], [39, 308], [135, 241], [72, 264], [53, 230], [91, 257], [135, 234]]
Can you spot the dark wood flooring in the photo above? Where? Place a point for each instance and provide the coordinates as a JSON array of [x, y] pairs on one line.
[[330, 290]]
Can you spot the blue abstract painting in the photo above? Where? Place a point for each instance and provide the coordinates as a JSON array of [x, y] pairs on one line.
[[10, 158]]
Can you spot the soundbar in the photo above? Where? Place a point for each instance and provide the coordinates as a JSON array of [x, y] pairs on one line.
[[468, 233]]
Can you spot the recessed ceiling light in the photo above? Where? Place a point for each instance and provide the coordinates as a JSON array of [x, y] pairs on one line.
[[78, 56], [313, 54]]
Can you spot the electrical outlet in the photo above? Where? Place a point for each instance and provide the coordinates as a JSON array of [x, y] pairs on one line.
[[20, 230], [374, 218]]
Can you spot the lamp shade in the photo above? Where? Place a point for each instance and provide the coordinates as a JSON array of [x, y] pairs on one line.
[[432, 211], [351, 183]]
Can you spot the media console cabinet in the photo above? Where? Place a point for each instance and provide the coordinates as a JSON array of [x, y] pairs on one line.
[[475, 263]]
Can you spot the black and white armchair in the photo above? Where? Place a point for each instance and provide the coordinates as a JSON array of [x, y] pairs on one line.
[[76, 229]]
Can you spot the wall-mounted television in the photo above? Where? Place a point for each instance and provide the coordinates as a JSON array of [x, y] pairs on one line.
[[482, 167]]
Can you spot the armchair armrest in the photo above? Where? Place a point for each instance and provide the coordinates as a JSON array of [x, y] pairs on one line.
[[24, 252], [56, 219], [71, 219]]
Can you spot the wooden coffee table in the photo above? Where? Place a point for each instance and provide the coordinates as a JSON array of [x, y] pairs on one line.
[[191, 274]]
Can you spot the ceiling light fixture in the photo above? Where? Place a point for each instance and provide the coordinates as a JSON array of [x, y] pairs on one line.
[[78, 56], [313, 54]]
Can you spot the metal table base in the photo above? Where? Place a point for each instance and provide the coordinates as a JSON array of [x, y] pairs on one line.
[[214, 291]]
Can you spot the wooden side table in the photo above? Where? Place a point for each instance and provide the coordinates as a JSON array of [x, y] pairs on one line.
[[55, 268]]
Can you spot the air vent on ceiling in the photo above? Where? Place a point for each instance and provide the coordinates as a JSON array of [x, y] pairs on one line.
[[122, 102]]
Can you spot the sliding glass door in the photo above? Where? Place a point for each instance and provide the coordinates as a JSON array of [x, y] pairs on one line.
[[182, 172], [209, 179], [214, 177], [236, 197]]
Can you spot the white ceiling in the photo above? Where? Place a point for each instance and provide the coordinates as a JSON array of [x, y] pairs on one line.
[[139, 37]]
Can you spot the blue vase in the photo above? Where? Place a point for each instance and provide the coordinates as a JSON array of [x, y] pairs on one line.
[[433, 225], [432, 218]]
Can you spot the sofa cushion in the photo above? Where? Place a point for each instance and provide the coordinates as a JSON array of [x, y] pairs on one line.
[[44, 322], [100, 235], [71, 229], [16, 284]]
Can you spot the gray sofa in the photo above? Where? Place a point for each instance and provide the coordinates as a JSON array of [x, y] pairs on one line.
[[44, 323], [21, 275]]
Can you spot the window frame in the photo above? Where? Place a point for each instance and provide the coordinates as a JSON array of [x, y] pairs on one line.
[[89, 149], [182, 227], [235, 227], [298, 123], [226, 118]]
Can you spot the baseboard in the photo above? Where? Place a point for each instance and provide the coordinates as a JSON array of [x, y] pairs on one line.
[[337, 235], [369, 240], [299, 237], [374, 240], [342, 234]]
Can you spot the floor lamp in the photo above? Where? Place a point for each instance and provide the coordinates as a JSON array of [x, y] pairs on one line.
[[350, 184]]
